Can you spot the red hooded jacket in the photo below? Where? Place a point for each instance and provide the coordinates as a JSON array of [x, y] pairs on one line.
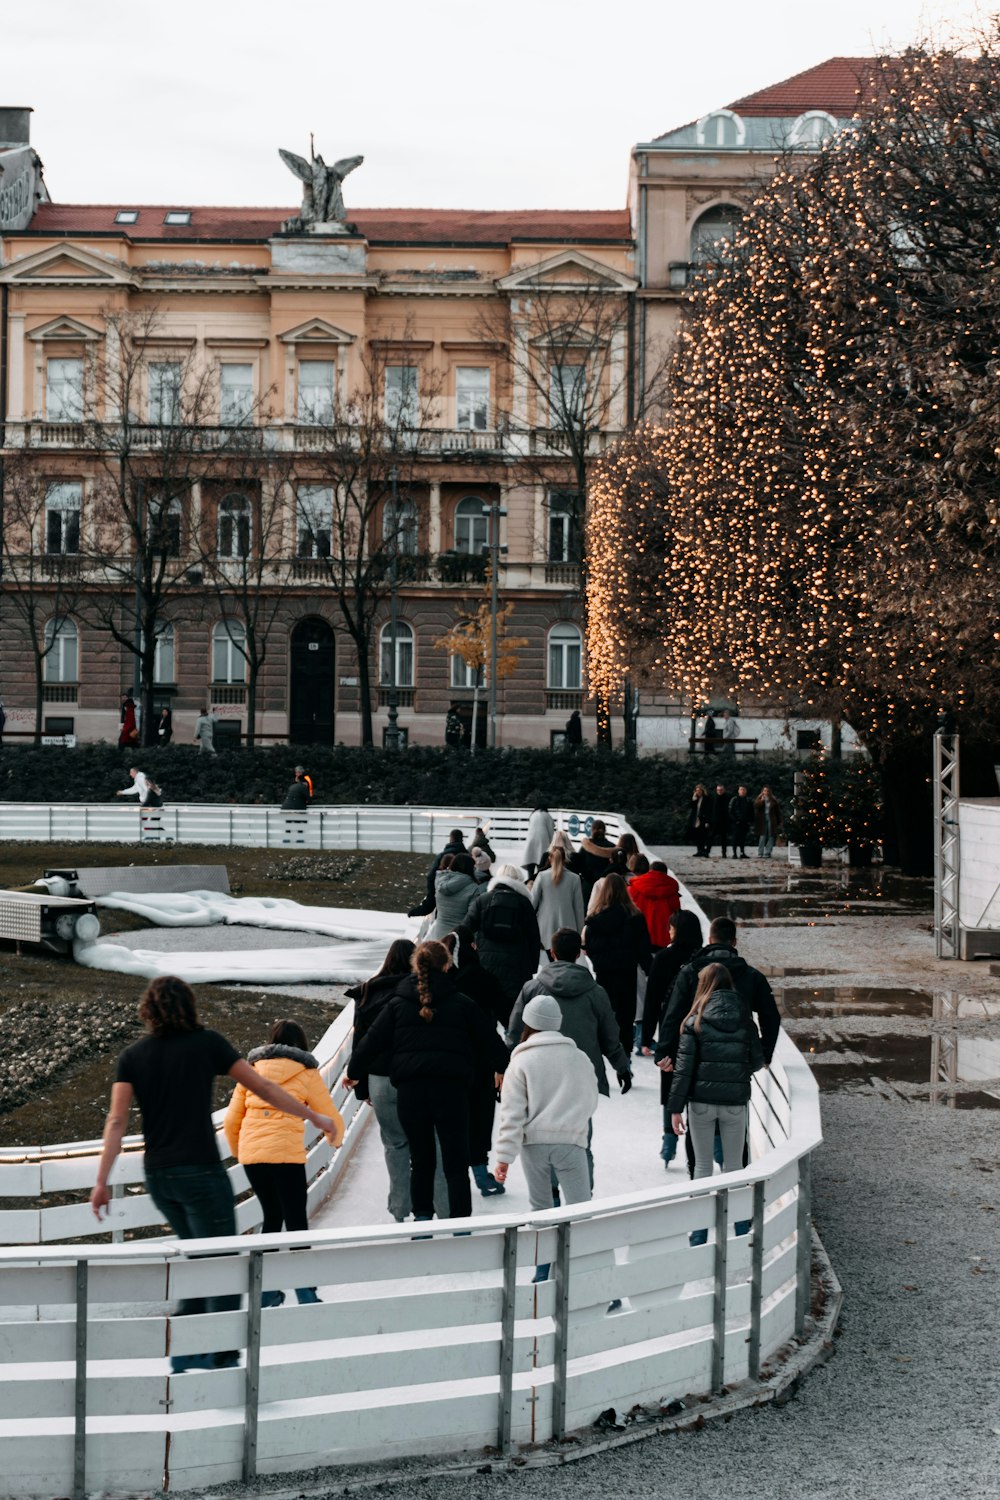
[[657, 896]]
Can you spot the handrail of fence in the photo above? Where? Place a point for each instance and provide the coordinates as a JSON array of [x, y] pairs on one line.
[[418, 830], [450, 1336]]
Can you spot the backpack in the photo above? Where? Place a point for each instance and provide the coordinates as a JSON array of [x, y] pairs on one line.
[[500, 919]]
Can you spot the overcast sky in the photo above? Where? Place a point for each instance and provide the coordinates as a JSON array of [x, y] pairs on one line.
[[454, 103]]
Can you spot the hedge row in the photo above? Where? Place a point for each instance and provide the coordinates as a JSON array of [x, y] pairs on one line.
[[652, 793]]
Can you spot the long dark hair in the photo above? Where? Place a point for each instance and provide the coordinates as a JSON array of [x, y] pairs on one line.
[[168, 1007], [289, 1034], [686, 928], [611, 891], [430, 957], [398, 960]]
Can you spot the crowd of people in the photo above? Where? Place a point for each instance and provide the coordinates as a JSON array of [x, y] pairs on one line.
[[733, 821], [526, 982]]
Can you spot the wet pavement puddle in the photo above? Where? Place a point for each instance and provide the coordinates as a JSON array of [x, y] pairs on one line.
[[789, 894], [849, 1000]]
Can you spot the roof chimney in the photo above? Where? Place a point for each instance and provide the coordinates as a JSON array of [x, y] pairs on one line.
[[15, 125]]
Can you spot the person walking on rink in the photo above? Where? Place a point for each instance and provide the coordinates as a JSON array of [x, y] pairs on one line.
[[455, 845], [171, 1073], [503, 919], [616, 940], [270, 1145], [541, 827], [548, 1097], [557, 895]]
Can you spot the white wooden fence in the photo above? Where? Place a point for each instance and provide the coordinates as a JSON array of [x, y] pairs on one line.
[[420, 830]]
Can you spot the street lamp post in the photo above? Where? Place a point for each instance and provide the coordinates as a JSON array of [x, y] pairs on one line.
[[493, 512], [392, 728]]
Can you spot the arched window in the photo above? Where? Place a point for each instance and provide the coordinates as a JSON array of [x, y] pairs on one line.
[[565, 658], [229, 663], [62, 656], [812, 129], [716, 229], [471, 526], [404, 655], [163, 658], [406, 526], [721, 128], [235, 527]]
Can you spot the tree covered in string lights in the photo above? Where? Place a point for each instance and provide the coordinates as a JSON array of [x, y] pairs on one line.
[[817, 521]]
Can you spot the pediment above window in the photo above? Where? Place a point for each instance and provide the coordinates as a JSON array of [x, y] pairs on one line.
[[317, 331], [569, 271], [65, 329], [66, 264]]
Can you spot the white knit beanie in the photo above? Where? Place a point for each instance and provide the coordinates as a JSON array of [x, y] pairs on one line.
[[542, 1014]]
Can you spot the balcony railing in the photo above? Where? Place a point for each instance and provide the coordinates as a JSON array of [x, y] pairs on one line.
[[564, 572], [59, 692], [229, 693], [563, 700], [404, 697]]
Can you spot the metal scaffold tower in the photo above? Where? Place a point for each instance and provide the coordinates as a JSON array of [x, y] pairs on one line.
[[946, 845]]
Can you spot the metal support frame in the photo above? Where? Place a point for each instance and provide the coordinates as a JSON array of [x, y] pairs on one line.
[[803, 1245], [80, 1386], [756, 1280], [719, 1301], [561, 1354], [947, 853], [508, 1309], [255, 1280]]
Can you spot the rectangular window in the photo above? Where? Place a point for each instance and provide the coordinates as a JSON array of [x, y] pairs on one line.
[[127, 216], [472, 399], [235, 394], [567, 395], [462, 675], [61, 645], [565, 663], [314, 520], [316, 391], [402, 401], [163, 657], [64, 390], [229, 663], [165, 394], [177, 216], [564, 527], [62, 518]]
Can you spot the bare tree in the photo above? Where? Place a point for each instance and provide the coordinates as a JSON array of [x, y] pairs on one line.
[[158, 425], [471, 638], [355, 508], [40, 540]]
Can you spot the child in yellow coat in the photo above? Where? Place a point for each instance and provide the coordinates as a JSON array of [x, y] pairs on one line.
[[270, 1145]]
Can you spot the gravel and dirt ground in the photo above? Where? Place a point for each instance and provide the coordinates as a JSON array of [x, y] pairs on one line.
[[64, 1025]]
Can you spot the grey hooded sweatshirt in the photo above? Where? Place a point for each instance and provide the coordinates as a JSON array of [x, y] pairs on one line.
[[587, 1016]]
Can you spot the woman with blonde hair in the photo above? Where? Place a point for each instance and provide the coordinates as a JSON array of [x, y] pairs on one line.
[[436, 1040], [718, 1054], [616, 939], [557, 894]]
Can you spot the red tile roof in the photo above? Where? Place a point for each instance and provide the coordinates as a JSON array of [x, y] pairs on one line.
[[843, 86], [410, 226]]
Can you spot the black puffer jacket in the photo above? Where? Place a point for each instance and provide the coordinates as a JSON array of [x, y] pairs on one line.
[[370, 1000], [507, 938], [450, 1048], [715, 1065], [749, 982]]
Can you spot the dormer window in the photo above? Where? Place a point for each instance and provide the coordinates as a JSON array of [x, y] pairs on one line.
[[177, 216], [812, 129], [722, 128], [127, 216]]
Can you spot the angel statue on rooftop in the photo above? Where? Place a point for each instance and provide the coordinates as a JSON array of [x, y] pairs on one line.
[[322, 200]]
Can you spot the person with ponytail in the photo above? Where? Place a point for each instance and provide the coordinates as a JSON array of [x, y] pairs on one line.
[[436, 1040], [718, 1053], [557, 893], [370, 999]]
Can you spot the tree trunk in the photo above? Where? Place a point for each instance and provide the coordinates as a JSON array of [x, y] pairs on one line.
[[365, 694], [836, 739], [628, 719], [147, 725], [39, 696], [475, 715], [603, 711], [252, 674]]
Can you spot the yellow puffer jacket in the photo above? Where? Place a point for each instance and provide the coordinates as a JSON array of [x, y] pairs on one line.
[[255, 1130]]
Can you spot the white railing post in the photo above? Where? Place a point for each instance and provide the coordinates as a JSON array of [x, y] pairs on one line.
[[508, 1308], [560, 1373], [251, 1408], [80, 1386], [803, 1244], [756, 1280], [719, 1304]]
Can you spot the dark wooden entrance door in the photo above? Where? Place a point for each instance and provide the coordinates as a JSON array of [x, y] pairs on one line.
[[313, 678]]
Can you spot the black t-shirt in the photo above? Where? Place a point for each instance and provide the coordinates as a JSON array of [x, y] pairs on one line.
[[173, 1078]]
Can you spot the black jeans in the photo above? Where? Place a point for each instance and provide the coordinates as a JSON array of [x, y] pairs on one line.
[[197, 1203], [428, 1108], [281, 1189]]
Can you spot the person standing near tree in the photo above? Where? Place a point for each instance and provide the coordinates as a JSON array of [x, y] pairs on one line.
[[741, 820], [719, 818], [574, 731], [129, 736], [767, 821], [165, 727], [171, 1074], [699, 825]]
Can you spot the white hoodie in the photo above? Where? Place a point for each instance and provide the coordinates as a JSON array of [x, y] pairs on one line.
[[549, 1094]]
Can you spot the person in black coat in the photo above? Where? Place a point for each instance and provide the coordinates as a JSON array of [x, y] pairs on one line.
[[699, 824], [741, 821], [436, 1038], [685, 940], [374, 1084], [719, 819], [616, 940], [165, 727], [484, 990], [718, 1053], [296, 798], [710, 734], [455, 845], [507, 937]]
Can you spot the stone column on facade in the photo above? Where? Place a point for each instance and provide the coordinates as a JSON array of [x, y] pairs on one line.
[[15, 393], [519, 361], [38, 395], [112, 382], [616, 370], [434, 520]]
